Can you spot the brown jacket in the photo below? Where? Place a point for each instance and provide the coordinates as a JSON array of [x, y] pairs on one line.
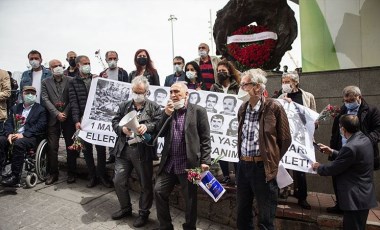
[[274, 134], [5, 92]]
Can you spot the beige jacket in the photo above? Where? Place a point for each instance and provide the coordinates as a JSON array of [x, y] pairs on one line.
[[214, 62], [307, 99], [5, 92]]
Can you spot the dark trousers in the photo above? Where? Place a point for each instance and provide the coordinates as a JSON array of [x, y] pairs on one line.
[[224, 167], [300, 188], [355, 220], [100, 169], [20, 147], [252, 183], [54, 132], [165, 183], [130, 159], [335, 189]]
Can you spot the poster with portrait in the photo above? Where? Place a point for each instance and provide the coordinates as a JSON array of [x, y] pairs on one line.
[[300, 154]]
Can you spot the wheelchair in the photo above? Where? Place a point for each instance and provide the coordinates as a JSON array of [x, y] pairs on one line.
[[35, 164]]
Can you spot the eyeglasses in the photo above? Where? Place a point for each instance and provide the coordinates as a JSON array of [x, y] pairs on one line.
[[242, 85]]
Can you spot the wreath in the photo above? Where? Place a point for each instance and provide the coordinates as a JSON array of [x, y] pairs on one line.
[[250, 55]]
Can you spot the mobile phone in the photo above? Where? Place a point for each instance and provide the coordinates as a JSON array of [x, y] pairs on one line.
[[317, 146]]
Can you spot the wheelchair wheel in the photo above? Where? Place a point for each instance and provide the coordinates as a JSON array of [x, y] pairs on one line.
[[31, 180], [41, 160]]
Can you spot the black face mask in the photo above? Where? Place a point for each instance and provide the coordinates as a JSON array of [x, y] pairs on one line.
[[142, 61], [72, 62], [222, 76]]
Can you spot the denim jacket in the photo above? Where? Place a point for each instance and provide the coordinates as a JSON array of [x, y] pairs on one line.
[[27, 79]]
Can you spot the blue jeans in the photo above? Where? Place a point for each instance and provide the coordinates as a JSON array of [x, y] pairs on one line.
[[252, 183]]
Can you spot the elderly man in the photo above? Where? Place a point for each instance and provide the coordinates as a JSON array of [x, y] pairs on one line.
[[72, 70], [179, 74], [79, 88], [369, 124], [207, 64], [138, 155], [55, 95], [292, 92], [353, 171], [263, 138], [187, 145], [22, 132], [36, 75]]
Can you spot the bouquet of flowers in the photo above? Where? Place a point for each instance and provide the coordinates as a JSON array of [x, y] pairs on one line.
[[251, 54], [19, 121], [60, 106], [328, 111], [194, 175], [78, 142]]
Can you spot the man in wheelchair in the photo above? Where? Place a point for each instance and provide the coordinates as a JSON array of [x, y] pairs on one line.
[[27, 121]]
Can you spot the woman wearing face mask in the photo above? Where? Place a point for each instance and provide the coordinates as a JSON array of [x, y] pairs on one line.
[[194, 78], [228, 80], [144, 66], [292, 92]]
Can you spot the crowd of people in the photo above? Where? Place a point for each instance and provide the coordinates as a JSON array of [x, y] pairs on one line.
[[52, 102]]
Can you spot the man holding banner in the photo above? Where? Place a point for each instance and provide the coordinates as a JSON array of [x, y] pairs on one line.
[[263, 138], [133, 154]]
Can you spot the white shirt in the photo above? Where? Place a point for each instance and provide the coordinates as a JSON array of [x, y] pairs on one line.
[[25, 113], [37, 84]]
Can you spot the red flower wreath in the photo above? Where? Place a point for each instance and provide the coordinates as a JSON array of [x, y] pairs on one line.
[[251, 54]]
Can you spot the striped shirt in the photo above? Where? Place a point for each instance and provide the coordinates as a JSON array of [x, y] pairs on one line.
[[177, 157], [207, 73], [250, 132]]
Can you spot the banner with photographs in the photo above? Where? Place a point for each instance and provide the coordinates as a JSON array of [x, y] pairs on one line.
[[300, 154]]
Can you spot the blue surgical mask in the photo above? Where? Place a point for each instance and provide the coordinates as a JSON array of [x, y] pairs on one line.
[[29, 99], [352, 106]]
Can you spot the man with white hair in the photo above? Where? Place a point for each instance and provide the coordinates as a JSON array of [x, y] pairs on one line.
[[134, 154], [369, 120], [292, 92], [208, 65], [263, 138]]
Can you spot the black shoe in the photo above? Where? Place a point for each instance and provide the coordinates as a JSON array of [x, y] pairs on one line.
[[11, 181], [335, 209], [226, 180], [121, 214], [70, 179], [111, 159], [304, 204], [105, 182], [52, 178], [140, 221], [92, 183]]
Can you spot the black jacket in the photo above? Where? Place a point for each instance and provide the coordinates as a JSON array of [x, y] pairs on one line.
[[153, 78], [369, 119], [150, 116], [78, 94]]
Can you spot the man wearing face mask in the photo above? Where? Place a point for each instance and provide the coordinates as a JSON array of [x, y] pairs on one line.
[[179, 74], [263, 138], [72, 70], [131, 155], [208, 65], [79, 88], [36, 75], [55, 95], [369, 124], [116, 73], [187, 145], [292, 92], [25, 137]]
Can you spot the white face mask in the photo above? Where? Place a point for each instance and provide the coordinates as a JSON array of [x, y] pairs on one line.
[[58, 71], [286, 88], [85, 69], [191, 75], [243, 95], [112, 64], [179, 104], [178, 68], [138, 98], [202, 53], [34, 63]]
